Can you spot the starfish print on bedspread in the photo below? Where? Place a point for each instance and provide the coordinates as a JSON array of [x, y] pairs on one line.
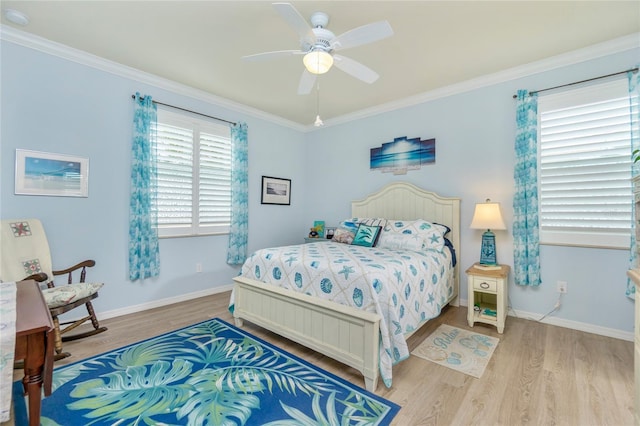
[[291, 259], [346, 270]]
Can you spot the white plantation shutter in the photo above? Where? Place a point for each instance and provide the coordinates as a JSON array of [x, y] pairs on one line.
[[585, 167], [175, 176], [215, 181], [194, 176]]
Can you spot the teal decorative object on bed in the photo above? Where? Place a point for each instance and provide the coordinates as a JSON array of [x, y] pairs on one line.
[[367, 236]]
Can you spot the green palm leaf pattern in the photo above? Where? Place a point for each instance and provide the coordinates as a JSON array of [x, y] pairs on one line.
[[136, 392], [71, 373], [205, 374], [217, 404], [146, 352]]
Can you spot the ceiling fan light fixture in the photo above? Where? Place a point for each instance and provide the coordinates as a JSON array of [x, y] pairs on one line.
[[317, 61], [318, 122]]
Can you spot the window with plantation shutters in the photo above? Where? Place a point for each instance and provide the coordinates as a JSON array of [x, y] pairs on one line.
[[194, 176], [584, 166]]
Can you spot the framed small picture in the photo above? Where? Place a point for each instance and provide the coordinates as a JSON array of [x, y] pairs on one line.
[[45, 173], [276, 191], [318, 225], [330, 230]]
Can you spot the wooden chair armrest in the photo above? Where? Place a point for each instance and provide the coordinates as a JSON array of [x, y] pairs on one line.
[[82, 265], [39, 277]]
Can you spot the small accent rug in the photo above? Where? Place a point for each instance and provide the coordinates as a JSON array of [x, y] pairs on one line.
[[458, 349], [209, 373]]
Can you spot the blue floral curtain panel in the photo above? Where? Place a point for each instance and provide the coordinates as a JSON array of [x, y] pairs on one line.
[[526, 232], [634, 98], [239, 229], [144, 251]]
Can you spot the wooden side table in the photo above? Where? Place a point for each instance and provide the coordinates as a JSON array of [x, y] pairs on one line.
[[487, 294], [316, 240], [34, 344]]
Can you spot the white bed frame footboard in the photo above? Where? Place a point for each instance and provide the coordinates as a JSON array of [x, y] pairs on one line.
[[343, 333], [340, 332]]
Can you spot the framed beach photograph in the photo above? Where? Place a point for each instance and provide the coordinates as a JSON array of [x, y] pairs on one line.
[[45, 173], [276, 191]]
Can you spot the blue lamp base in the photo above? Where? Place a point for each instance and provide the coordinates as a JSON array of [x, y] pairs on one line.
[[488, 249]]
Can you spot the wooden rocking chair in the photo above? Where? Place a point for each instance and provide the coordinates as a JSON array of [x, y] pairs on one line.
[[24, 255]]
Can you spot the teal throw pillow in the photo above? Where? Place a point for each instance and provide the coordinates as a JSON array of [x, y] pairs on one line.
[[367, 236]]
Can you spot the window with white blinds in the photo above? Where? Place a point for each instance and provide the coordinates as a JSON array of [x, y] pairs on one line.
[[584, 166], [194, 176]]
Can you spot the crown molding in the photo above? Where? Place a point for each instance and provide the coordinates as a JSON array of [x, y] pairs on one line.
[[43, 45], [596, 51]]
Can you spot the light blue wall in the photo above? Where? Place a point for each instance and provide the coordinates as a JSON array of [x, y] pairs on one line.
[[474, 135], [55, 105]]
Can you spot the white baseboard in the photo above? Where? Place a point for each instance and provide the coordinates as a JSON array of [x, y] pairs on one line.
[[163, 302], [573, 325], [560, 322]]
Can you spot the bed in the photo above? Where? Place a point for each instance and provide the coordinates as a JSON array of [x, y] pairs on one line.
[[345, 333]]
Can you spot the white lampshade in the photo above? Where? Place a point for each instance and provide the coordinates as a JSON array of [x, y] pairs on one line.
[[487, 216], [317, 61]]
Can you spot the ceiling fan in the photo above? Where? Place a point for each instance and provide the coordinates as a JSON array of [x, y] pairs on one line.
[[318, 45]]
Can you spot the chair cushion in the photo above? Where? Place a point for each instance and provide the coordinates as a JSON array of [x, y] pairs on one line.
[[69, 293]]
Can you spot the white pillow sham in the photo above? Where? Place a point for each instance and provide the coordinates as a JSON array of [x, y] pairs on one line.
[[431, 234]]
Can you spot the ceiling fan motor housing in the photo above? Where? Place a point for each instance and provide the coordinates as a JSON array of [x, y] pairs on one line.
[[319, 19], [323, 39]]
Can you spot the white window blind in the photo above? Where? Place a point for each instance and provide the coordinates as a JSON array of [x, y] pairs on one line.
[[194, 176], [585, 166]]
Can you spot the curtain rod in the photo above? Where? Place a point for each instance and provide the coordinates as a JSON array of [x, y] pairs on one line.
[[635, 70], [188, 110]]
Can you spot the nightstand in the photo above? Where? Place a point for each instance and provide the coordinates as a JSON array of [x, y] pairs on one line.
[[487, 294], [316, 240]]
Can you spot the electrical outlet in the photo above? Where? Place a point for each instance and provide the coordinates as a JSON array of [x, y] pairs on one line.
[[198, 267], [562, 286]]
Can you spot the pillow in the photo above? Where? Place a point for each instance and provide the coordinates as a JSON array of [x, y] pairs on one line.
[[449, 244], [431, 234], [342, 235], [69, 293], [345, 232], [373, 221], [443, 228], [395, 241], [367, 236]]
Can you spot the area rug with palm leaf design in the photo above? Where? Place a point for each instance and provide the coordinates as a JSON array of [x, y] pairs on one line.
[[210, 373]]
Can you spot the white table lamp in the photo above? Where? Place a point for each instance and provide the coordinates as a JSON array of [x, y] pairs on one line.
[[487, 216]]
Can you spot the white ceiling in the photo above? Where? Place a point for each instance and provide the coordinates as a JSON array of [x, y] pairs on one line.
[[435, 43]]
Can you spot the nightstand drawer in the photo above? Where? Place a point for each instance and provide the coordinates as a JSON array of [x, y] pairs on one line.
[[485, 284]]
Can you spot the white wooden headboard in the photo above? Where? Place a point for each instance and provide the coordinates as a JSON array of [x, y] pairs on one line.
[[405, 201]]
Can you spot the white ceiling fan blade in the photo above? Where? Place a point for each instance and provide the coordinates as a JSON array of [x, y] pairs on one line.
[[296, 21], [271, 55], [307, 80], [356, 69], [362, 35]]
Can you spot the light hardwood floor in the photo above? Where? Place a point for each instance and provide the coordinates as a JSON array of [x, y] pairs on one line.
[[538, 375]]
